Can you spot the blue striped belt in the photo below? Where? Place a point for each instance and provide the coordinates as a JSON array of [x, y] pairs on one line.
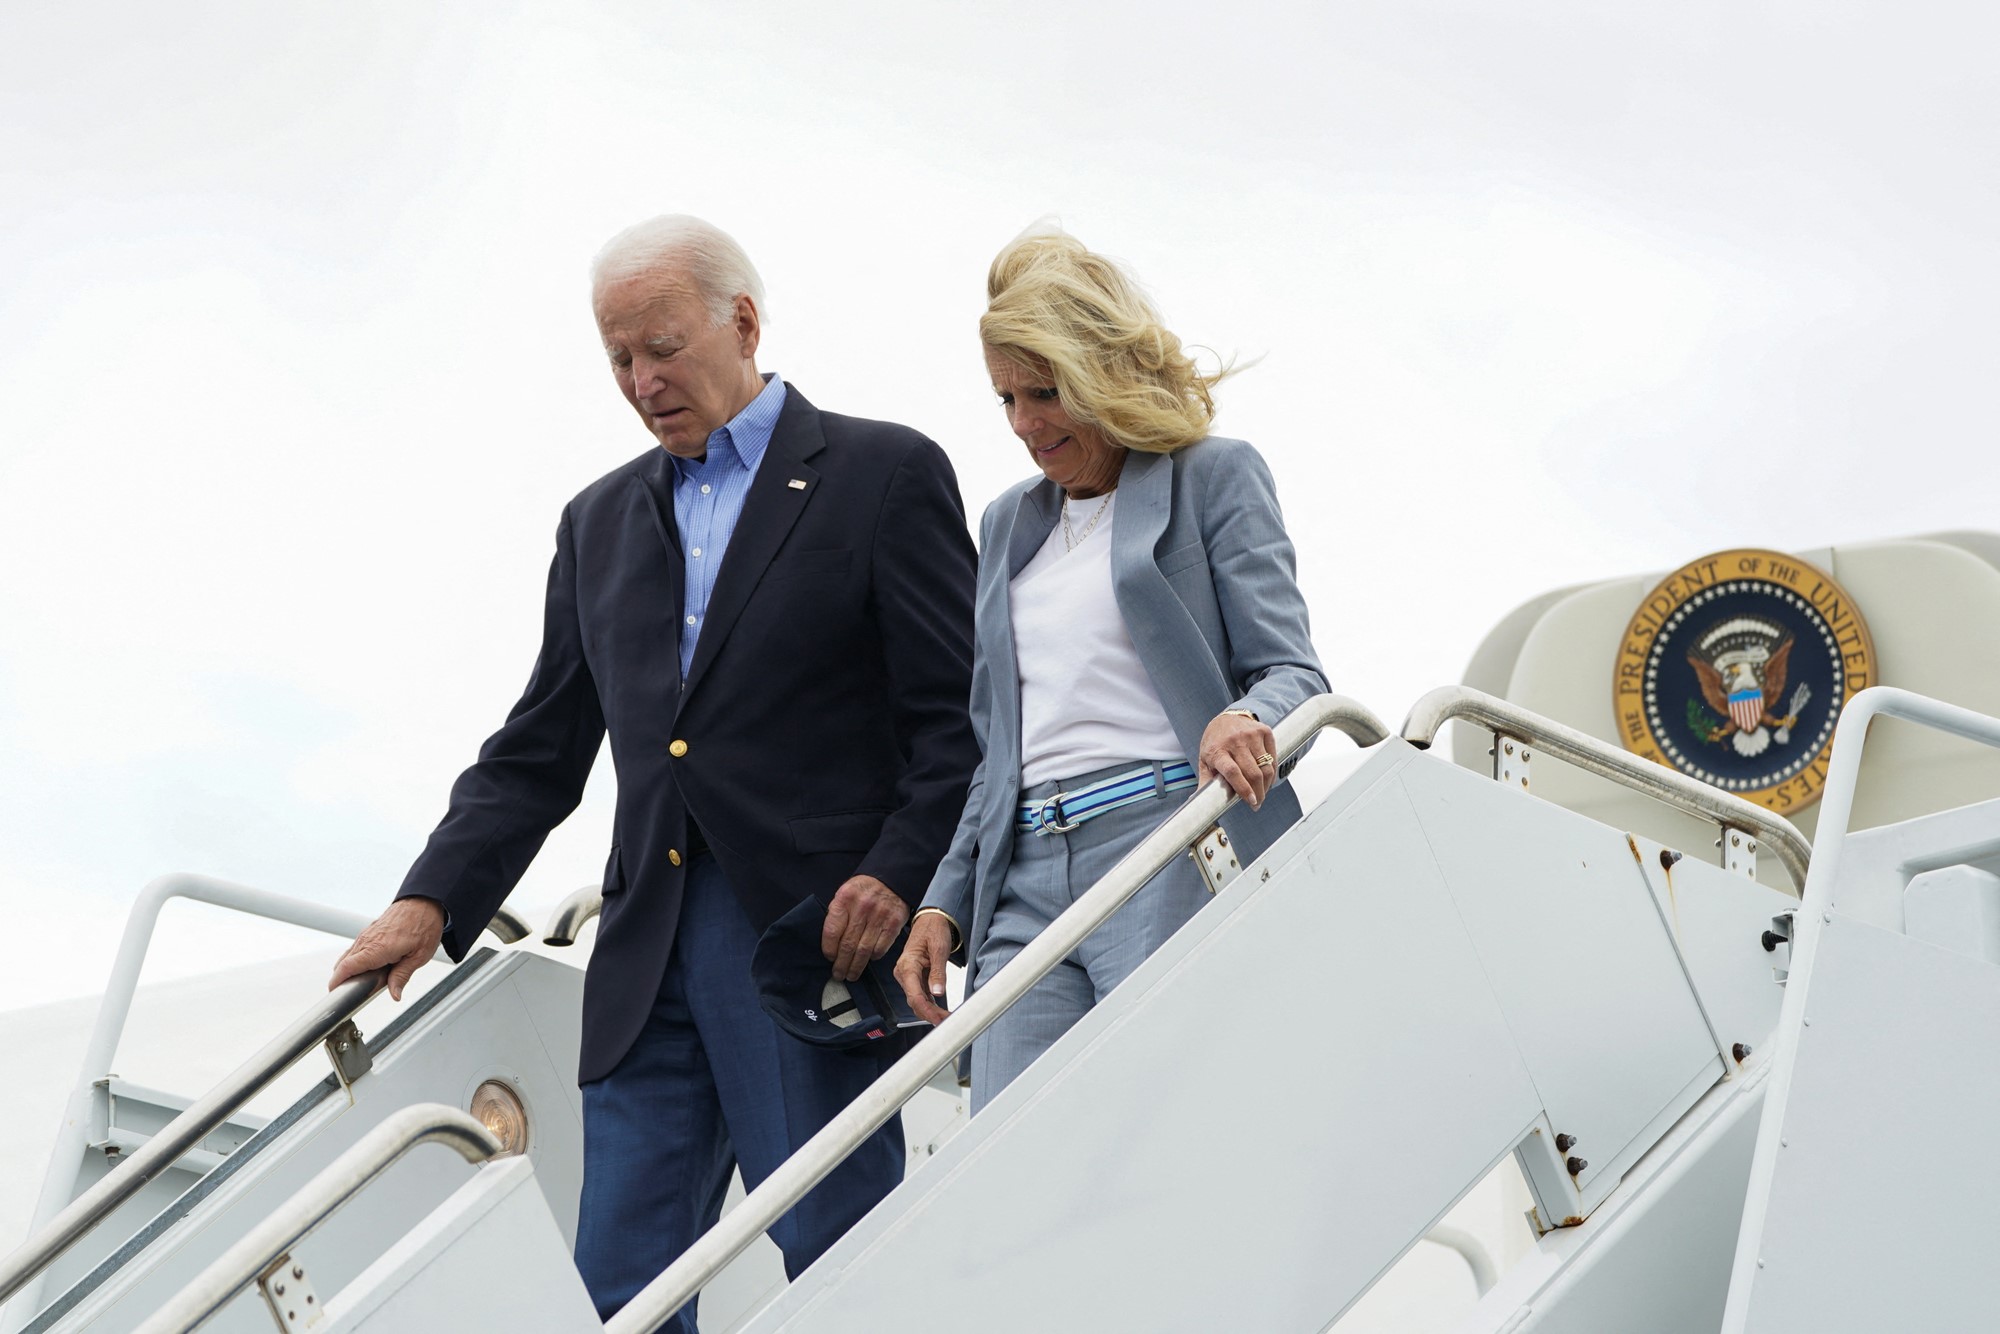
[[1064, 811]]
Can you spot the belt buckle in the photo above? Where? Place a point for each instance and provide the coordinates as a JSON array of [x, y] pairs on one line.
[[1043, 824]]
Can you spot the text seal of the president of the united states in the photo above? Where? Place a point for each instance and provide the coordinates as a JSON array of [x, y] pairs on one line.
[[1734, 670]]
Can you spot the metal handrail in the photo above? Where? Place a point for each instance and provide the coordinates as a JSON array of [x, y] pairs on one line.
[[566, 922], [1605, 760], [658, 1300], [271, 1240], [1836, 810], [116, 1007], [185, 1131], [1815, 912], [509, 926]]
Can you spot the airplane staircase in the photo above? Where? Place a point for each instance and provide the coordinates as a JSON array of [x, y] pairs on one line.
[[1430, 972]]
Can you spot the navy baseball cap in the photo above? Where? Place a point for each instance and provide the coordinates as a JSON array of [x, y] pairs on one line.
[[795, 982]]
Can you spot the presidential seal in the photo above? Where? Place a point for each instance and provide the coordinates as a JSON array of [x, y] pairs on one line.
[[1734, 670]]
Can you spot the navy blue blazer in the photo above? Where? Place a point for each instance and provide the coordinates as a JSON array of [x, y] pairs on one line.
[[821, 732]]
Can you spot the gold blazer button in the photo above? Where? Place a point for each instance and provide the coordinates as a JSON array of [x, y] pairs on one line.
[[678, 748], [674, 856]]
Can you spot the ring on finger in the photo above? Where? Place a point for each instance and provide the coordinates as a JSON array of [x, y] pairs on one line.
[[1266, 760]]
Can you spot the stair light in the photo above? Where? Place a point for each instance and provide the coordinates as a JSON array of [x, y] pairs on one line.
[[498, 1107]]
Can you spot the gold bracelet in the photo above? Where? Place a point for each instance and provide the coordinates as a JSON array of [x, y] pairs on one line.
[[1243, 713], [957, 936]]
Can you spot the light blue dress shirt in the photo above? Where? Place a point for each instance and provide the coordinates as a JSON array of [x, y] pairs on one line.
[[708, 500]]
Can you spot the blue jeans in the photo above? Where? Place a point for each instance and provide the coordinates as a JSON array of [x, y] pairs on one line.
[[712, 1083], [1049, 872]]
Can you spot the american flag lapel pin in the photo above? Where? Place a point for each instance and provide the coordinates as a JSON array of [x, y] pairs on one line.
[[797, 484]]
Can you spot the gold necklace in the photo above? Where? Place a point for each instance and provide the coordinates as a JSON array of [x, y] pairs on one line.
[[1073, 540]]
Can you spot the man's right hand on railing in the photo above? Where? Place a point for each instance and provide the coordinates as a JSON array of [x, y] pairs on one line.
[[402, 940]]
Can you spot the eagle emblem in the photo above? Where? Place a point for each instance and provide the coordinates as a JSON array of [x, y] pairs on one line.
[[1741, 664], [1733, 670]]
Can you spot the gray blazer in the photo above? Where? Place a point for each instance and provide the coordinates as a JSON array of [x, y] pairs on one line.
[[1206, 579]]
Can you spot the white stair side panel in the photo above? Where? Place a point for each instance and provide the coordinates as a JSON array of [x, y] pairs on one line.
[[1876, 865], [481, 1028], [1718, 919], [1269, 1112], [1655, 1257], [490, 1258], [1566, 928], [1884, 1199]]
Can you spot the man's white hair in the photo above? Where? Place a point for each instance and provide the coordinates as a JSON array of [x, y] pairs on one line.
[[709, 257]]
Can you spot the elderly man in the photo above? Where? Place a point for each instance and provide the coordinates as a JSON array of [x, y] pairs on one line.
[[771, 616]]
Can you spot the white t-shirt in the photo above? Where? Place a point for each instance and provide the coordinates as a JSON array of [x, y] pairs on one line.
[[1086, 701]]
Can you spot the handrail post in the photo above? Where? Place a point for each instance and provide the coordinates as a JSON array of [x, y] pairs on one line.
[[239, 1266], [45, 1245], [1596, 756], [818, 1156], [72, 1136], [1836, 813], [508, 926], [566, 922]]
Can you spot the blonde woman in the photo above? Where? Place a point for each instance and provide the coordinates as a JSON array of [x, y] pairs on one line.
[[1138, 628]]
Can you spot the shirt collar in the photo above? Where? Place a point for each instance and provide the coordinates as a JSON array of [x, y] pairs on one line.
[[741, 441]]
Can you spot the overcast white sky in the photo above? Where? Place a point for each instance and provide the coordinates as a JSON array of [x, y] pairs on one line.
[[297, 371]]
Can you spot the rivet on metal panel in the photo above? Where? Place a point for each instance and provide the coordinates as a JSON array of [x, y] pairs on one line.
[[1735, 857], [1740, 1051], [1217, 862], [290, 1298], [1575, 1165], [1564, 1143], [349, 1054], [1771, 941], [1668, 857]]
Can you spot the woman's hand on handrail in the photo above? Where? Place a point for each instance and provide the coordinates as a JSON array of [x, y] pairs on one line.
[[1241, 751], [921, 966]]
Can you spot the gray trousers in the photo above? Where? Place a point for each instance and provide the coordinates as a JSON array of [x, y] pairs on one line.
[[1049, 872]]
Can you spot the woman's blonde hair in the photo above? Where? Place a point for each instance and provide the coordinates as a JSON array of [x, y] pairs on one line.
[[1054, 307]]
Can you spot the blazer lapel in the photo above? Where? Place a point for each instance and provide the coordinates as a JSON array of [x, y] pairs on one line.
[[1034, 519], [1020, 535], [769, 511], [1145, 503], [1168, 640], [655, 484]]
